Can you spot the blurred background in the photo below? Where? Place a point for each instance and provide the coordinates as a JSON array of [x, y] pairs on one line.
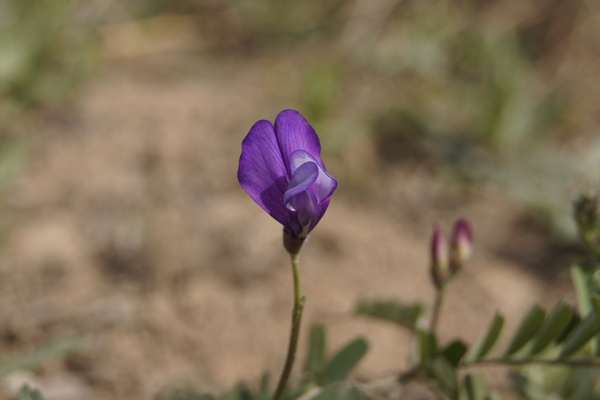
[[123, 228]]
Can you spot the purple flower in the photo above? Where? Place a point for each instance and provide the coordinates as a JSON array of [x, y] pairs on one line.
[[446, 260], [281, 169]]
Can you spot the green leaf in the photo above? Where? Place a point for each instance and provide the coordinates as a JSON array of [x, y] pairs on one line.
[[398, 313], [474, 387], [454, 352], [353, 393], [240, 392], [330, 392], [596, 342], [292, 392], [340, 391], [528, 328], [580, 384], [345, 360], [558, 320], [243, 392], [428, 347], [581, 282], [444, 375], [183, 394], [580, 335], [28, 393], [481, 348], [315, 359], [596, 304], [575, 320], [264, 391]]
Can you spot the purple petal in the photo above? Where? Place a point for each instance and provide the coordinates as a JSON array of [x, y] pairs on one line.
[[262, 173], [305, 205], [294, 133], [324, 183], [320, 211], [303, 177], [462, 243], [440, 252]]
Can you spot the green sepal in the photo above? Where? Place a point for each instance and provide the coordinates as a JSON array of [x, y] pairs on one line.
[[527, 329], [557, 321], [485, 344]]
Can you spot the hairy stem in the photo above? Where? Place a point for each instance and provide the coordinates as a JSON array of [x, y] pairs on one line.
[[299, 302]]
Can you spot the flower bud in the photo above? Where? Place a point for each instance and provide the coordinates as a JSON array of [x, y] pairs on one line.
[[440, 258], [461, 245]]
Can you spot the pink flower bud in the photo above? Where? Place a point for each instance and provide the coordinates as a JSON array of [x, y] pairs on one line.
[[440, 257], [461, 245]]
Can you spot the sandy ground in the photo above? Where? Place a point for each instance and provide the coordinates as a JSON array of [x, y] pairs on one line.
[[129, 230]]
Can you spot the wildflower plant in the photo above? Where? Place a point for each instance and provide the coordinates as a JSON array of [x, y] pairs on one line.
[[282, 171], [553, 353]]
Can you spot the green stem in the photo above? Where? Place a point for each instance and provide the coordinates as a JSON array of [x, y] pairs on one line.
[[435, 311], [418, 373], [528, 361], [299, 302]]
